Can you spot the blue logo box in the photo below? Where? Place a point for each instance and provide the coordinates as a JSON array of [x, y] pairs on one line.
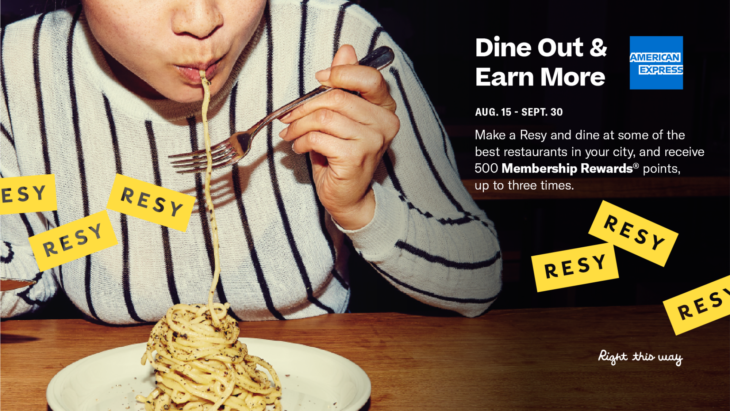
[[656, 62]]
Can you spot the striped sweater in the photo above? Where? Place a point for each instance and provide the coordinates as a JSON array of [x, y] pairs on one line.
[[62, 112]]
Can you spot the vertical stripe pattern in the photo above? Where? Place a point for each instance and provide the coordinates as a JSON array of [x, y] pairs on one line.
[[424, 150], [28, 228], [427, 157], [338, 26], [79, 153], [123, 217], [272, 169], [436, 117], [302, 46], [7, 135], [374, 39], [39, 95], [236, 180], [320, 207], [2, 76], [169, 265], [42, 117], [252, 248]]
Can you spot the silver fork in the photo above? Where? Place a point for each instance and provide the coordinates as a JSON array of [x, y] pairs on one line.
[[236, 147]]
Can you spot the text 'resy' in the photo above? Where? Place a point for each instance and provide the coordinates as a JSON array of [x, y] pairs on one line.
[[27, 194], [74, 240], [700, 306], [151, 203], [634, 234], [578, 266]]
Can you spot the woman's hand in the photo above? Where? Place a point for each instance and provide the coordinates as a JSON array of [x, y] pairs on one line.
[[346, 137]]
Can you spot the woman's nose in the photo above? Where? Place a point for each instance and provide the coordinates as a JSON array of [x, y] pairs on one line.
[[197, 18]]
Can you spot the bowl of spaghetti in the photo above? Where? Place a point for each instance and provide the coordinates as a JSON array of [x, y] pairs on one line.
[[311, 379]]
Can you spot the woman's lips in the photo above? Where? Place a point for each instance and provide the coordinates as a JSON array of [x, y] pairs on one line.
[[192, 72]]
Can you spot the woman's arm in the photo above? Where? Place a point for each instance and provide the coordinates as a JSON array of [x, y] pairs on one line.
[[400, 200], [428, 237], [16, 256]]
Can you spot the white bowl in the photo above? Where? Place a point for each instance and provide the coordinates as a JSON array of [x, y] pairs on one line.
[[312, 379]]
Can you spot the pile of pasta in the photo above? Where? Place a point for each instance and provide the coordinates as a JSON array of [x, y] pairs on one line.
[[201, 366], [199, 362]]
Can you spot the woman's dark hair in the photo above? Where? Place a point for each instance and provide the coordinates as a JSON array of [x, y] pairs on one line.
[[14, 10]]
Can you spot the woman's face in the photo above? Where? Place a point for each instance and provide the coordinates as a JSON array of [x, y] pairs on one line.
[[166, 42]]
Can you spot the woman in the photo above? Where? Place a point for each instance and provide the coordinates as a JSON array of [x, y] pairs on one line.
[[113, 88]]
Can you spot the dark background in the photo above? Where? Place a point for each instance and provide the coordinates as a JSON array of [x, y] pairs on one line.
[[441, 41], [440, 38]]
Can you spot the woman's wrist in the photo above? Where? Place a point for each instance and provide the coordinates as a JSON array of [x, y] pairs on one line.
[[358, 215]]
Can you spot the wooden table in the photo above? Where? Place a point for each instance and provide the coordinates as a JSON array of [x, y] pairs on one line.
[[505, 360]]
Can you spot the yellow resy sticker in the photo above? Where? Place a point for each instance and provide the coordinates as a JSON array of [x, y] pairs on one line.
[[700, 306], [574, 267], [73, 240], [27, 194], [633, 233], [151, 203]]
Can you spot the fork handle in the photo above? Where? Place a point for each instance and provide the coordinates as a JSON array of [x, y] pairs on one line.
[[380, 58]]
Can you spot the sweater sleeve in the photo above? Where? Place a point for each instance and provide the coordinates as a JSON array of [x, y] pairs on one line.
[[16, 256], [428, 238]]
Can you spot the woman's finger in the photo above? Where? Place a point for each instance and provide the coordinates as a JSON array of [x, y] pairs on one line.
[[344, 103], [345, 55], [356, 156], [327, 145], [332, 123], [366, 80]]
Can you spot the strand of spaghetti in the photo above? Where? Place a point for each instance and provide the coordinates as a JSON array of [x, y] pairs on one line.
[[199, 363], [208, 199]]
